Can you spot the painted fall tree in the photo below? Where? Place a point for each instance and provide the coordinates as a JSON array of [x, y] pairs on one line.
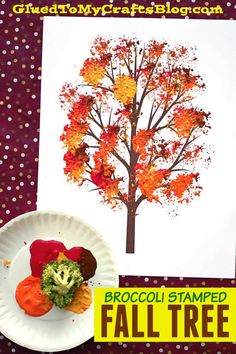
[[133, 131]]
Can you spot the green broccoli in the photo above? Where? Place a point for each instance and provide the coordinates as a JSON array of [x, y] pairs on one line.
[[60, 280]]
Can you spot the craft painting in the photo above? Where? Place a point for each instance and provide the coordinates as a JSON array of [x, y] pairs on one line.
[[133, 132]]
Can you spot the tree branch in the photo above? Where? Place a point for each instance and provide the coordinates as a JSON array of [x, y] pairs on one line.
[[101, 87], [98, 112], [139, 201], [124, 163], [165, 111], [121, 198], [180, 157], [127, 65], [146, 87], [95, 121]]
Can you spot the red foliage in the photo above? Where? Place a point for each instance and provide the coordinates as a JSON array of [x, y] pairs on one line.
[[81, 108]]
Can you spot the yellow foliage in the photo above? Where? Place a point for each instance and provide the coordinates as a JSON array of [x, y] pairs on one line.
[[124, 89]]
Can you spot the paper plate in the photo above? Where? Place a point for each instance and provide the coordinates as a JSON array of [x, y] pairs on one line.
[[59, 329]]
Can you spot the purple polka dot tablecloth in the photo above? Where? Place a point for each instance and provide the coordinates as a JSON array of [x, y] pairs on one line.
[[21, 53]]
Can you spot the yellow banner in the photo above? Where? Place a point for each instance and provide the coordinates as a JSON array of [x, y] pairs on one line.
[[165, 315]]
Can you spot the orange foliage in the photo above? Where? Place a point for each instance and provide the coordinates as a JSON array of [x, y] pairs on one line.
[[141, 140], [155, 49], [73, 135], [68, 94], [93, 71], [75, 167], [109, 139], [102, 173], [102, 177], [180, 185], [178, 80], [187, 119], [150, 179]]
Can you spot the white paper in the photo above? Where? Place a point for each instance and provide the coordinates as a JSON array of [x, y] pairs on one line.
[[200, 242]]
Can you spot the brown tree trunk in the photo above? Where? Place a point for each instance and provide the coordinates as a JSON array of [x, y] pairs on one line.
[[131, 207], [130, 233]]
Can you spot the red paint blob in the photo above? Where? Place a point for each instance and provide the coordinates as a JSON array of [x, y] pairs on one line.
[[43, 252]]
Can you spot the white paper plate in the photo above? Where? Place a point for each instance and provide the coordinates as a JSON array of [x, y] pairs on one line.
[[58, 330]]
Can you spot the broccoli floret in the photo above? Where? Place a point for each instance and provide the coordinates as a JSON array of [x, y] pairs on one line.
[[60, 280]]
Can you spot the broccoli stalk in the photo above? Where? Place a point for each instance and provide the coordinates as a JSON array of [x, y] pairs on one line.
[[62, 280], [59, 281]]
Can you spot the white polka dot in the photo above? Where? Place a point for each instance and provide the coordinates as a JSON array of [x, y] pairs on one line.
[[146, 279]]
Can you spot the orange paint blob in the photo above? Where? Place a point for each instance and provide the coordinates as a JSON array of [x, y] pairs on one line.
[[31, 298]]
